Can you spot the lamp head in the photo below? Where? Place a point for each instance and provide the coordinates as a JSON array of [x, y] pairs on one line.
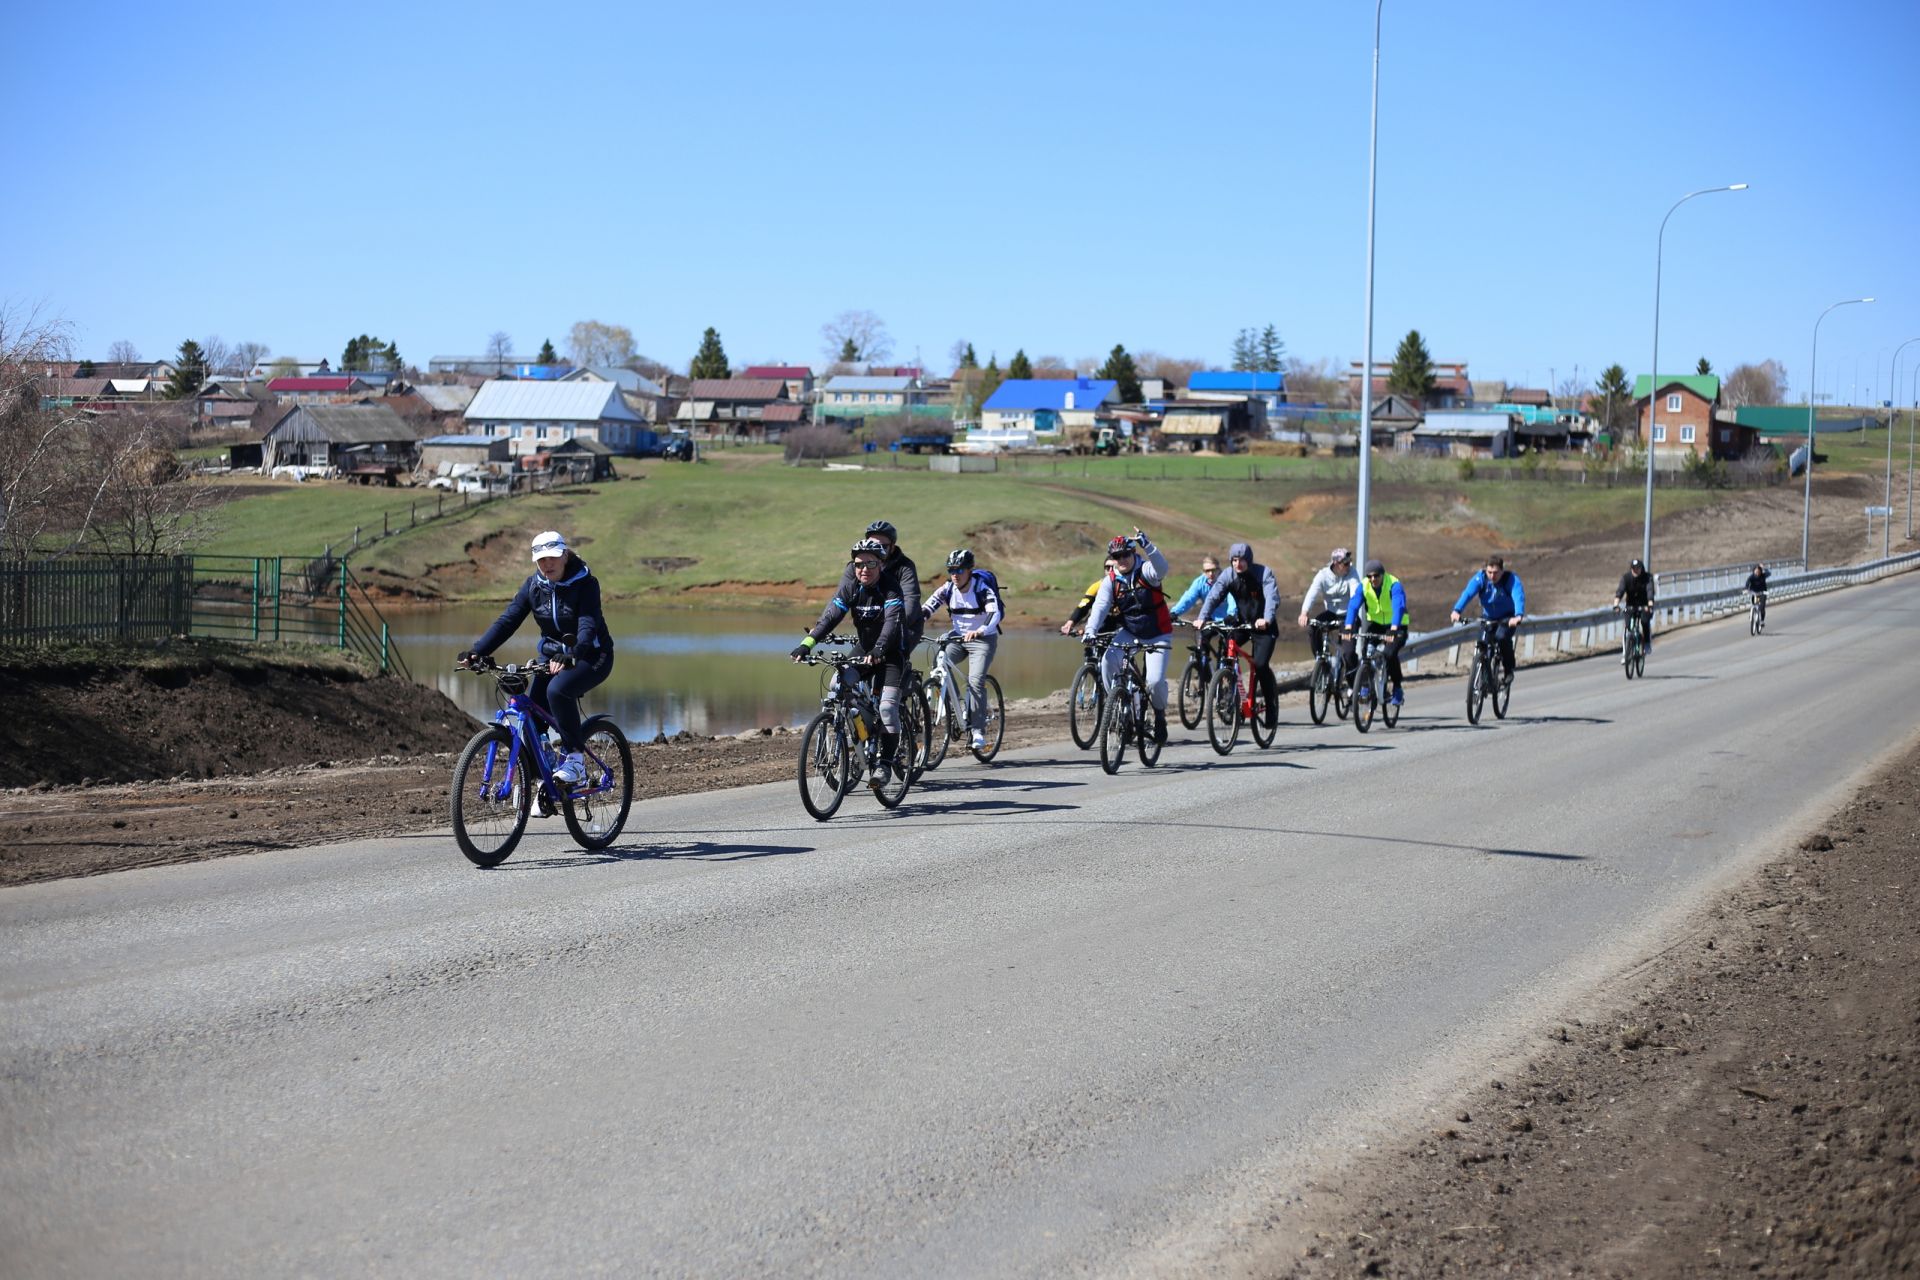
[[1738, 186]]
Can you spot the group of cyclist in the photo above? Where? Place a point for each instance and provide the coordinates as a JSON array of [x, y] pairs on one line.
[[880, 592]]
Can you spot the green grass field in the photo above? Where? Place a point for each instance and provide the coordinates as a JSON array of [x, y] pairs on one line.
[[306, 519]]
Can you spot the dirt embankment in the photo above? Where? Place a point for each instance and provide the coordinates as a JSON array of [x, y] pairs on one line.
[[205, 710]]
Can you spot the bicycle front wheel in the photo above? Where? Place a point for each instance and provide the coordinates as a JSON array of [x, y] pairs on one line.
[[1502, 691], [1223, 711], [1084, 702], [1193, 693], [1476, 690], [1146, 743], [898, 780], [1113, 733], [1366, 696], [1638, 668], [823, 766], [491, 797], [1388, 711], [1320, 691], [596, 811], [993, 721]]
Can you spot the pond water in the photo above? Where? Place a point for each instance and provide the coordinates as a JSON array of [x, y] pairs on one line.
[[712, 673]]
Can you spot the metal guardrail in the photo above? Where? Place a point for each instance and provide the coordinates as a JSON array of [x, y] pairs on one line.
[[1719, 577], [1566, 631]]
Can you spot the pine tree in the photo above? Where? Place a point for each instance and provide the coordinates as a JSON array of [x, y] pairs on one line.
[[1020, 366], [711, 360], [189, 371], [1614, 399], [1273, 352], [1704, 368], [1412, 373], [366, 353], [547, 354], [390, 357], [849, 353], [1120, 368], [85, 369], [990, 379], [1246, 351], [969, 360]]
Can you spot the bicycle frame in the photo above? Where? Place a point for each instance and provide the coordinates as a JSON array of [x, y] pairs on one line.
[[523, 719]]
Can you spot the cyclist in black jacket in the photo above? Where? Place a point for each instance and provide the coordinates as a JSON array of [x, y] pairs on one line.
[[1635, 593], [878, 614], [902, 573], [1757, 584], [564, 598]]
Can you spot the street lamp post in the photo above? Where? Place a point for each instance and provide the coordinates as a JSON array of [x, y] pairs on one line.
[[1813, 368], [1913, 410], [1653, 388], [1366, 366], [1893, 412]]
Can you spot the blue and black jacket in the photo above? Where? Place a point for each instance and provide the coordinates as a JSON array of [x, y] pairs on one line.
[[567, 611], [878, 615]]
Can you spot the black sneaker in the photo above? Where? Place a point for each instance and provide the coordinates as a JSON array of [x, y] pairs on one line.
[[1160, 727]]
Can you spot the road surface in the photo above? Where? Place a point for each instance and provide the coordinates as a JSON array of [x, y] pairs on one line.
[[1037, 1022]]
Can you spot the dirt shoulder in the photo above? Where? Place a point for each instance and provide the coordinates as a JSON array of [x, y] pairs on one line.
[[1746, 1102]]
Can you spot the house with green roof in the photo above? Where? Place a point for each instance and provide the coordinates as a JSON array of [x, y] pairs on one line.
[[1684, 420]]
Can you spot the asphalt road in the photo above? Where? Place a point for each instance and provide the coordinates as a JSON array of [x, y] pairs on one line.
[[1036, 1022]]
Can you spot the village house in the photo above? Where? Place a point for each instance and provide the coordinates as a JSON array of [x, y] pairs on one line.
[[854, 396], [340, 437], [1269, 390], [1452, 388], [1684, 421], [735, 407], [538, 415], [643, 395], [798, 377], [1465, 433], [321, 389], [1024, 413]]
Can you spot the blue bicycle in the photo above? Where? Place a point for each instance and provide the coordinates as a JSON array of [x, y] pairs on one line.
[[494, 780]]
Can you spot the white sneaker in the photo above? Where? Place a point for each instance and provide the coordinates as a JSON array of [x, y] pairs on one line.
[[979, 740], [572, 770]]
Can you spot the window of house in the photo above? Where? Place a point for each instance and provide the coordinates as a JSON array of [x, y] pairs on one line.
[[1726, 435], [1673, 403], [1686, 434], [1660, 433]]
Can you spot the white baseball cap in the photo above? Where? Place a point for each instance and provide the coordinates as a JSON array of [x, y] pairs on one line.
[[547, 544]]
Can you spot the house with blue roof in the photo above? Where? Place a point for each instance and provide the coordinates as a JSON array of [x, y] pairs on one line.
[[1045, 412], [1269, 389]]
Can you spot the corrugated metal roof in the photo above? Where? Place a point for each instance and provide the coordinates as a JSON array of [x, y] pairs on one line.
[[1050, 393], [1704, 385], [324, 383], [737, 389], [782, 371], [446, 399], [343, 424], [783, 413], [1216, 380], [463, 440], [850, 382], [582, 401], [625, 379]]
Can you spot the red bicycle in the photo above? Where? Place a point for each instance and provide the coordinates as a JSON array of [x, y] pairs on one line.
[[1236, 697]]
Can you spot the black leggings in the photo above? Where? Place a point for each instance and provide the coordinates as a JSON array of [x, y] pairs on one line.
[[559, 696], [1349, 655]]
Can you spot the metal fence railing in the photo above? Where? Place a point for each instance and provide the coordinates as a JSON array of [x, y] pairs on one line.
[[147, 599]]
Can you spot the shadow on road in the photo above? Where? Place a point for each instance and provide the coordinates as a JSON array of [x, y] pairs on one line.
[[1679, 677], [697, 850], [998, 808], [1552, 720], [962, 782]]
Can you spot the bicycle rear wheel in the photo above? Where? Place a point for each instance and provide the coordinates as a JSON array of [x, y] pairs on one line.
[[1113, 733], [1145, 743], [1193, 693], [823, 766], [993, 723], [1366, 680], [898, 780], [1223, 710], [1084, 702], [1266, 719], [595, 815], [489, 806], [1477, 689]]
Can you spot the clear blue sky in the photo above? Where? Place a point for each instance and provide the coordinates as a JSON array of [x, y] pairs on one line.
[[1053, 177]]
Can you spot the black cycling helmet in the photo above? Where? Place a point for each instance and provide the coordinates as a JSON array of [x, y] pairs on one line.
[[1120, 546], [884, 530], [869, 547], [959, 558], [1637, 564]]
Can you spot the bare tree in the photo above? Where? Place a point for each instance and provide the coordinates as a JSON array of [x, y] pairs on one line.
[[856, 337], [1052, 367], [1314, 382], [1173, 370], [215, 355], [500, 350], [1756, 384], [1569, 394], [248, 355], [592, 343], [145, 502], [37, 447], [284, 367], [123, 352]]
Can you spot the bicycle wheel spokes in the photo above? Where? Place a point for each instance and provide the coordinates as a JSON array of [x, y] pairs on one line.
[[993, 725], [1366, 699], [1265, 718], [1320, 691], [898, 780], [823, 766], [1502, 690], [1084, 701], [490, 799], [1113, 731], [1476, 688], [596, 811], [1223, 710], [1193, 693]]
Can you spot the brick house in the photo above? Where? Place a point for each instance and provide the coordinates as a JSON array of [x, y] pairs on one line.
[[1684, 425]]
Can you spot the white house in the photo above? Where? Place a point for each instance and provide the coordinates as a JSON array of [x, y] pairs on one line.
[[538, 415]]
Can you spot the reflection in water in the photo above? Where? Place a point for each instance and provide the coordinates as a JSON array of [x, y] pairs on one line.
[[712, 673]]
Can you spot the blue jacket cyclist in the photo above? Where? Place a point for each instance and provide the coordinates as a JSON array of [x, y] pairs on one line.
[[1197, 592], [1502, 600], [1379, 607], [564, 598]]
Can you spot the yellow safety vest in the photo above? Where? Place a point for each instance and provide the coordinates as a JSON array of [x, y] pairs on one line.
[[1380, 606]]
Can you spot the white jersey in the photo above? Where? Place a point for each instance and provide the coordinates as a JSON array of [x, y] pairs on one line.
[[1334, 591]]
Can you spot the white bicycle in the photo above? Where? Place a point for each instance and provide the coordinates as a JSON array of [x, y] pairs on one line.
[[947, 694]]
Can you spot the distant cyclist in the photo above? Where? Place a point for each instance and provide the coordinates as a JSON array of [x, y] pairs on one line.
[[1131, 590], [1256, 603], [1635, 594], [1757, 584], [877, 612], [1332, 589], [1085, 607], [1503, 601], [1379, 607], [974, 607], [564, 598]]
